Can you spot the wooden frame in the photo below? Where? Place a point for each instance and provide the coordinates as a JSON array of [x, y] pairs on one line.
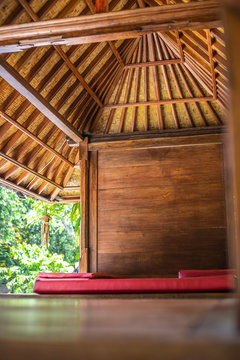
[[84, 199], [232, 24], [8, 73], [93, 208], [105, 26]]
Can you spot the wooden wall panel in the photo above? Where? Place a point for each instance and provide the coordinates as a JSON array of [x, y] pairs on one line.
[[161, 210]]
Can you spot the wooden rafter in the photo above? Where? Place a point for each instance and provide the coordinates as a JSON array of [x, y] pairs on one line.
[[69, 199], [8, 73], [136, 90], [41, 167], [114, 83], [159, 102], [29, 170], [94, 10], [22, 189], [145, 86], [127, 94], [35, 138], [180, 45], [83, 112], [198, 44], [63, 55], [110, 26], [153, 63], [161, 49], [155, 80], [209, 40], [201, 73], [43, 83]]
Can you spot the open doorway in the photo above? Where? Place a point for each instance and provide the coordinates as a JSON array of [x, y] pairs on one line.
[[22, 251]]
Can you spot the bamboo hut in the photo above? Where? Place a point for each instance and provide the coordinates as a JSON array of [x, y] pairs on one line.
[[125, 106]]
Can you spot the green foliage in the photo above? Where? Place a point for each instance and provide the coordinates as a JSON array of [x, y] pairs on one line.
[[21, 254], [26, 262], [62, 237], [75, 218]]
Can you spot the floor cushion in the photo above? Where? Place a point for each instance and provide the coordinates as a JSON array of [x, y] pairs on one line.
[[77, 275], [84, 285]]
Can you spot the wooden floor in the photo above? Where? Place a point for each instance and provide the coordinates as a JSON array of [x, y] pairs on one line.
[[76, 327]]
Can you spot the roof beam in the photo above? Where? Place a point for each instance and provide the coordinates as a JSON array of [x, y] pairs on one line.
[[93, 10], [21, 189], [63, 55], [29, 170], [212, 65], [8, 73], [153, 63], [112, 26], [34, 137], [159, 102]]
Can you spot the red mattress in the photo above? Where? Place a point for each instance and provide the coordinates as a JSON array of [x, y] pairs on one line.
[[72, 284]]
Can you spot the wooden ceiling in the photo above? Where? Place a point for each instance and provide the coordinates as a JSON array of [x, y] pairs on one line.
[[68, 73]]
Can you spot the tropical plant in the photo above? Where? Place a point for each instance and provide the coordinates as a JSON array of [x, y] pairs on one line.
[[21, 254], [26, 261]]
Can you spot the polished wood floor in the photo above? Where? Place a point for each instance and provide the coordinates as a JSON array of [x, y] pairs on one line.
[[76, 327]]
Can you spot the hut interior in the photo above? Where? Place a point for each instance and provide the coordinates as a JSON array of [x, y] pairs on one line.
[[125, 106]]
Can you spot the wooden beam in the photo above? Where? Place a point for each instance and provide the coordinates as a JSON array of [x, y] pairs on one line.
[[72, 188], [29, 170], [180, 45], [35, 138], [93, 211], [158, 102], [112, 26], [21, 189], [153, 63], [84, 168], [14, 79], [68, 200], [116, 53], [110, 43], [210, 52], [164, 138], [63, 55], [232, 147]]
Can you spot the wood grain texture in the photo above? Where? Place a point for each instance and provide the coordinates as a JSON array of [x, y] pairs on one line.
[[232, 20], [106, 327], [93, 203], [14, 79], [194, 15], [84, 197], [161, 210]]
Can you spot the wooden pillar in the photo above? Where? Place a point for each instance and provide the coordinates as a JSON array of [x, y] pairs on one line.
[[84, 168], [232, 30]]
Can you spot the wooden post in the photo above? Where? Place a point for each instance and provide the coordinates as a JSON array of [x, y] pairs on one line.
[[84, 168], [232, 30]]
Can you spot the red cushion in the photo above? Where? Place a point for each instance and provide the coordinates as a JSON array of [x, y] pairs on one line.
[[95, 286], [197, 273], [76, 275]]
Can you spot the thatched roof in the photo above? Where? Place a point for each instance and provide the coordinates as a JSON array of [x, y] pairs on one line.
[[138, 82]]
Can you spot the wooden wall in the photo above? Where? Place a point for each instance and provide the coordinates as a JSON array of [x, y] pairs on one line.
[[154, 211]]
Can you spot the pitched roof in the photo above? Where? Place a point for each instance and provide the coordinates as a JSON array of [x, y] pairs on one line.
[[145, 80]]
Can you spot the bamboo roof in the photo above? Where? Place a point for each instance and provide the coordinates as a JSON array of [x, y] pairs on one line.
[[61, 84]]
